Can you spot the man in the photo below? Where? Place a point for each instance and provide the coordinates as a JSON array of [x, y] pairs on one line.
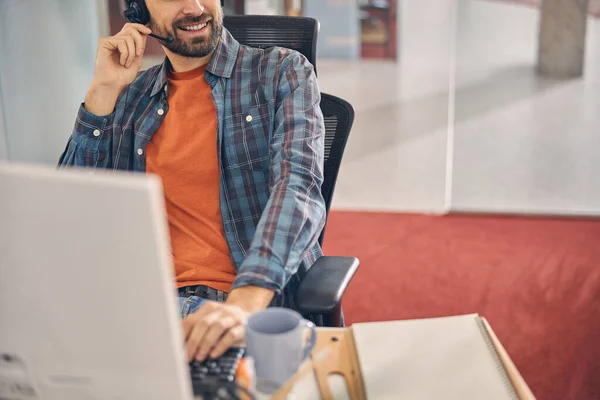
[[237, 136]]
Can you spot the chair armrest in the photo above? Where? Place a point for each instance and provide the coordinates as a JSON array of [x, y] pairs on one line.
[[321, 289]]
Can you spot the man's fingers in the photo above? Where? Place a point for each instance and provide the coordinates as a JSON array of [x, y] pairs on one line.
[[214, 332], [233, 335], [130, 42], [138, 27], [134, 37], [196, 336], [138, 39], [190, 320], [116, 44], [130, 50], [188, 325], [122, 47], [193, 341], [140, 43]]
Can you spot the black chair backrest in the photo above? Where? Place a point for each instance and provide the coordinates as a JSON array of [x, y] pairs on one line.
[[263, 31], [339, 117], [300, 34]]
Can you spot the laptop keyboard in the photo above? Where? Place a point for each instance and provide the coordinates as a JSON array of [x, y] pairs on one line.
[[212, 372]]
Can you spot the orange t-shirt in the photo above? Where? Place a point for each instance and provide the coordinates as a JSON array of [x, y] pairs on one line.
[[183, 152]]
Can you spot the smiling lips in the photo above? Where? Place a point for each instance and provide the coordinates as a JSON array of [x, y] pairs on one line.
[[194, 28]]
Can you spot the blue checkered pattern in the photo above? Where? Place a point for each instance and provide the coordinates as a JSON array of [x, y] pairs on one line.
[[270, 140]]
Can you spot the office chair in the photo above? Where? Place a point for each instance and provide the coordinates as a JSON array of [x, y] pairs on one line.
[[321, 289], [263, 31]]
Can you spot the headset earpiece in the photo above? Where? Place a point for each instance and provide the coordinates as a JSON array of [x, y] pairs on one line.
[[137, 12]]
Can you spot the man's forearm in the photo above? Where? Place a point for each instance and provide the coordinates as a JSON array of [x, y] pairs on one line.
[[250, 298], [101, 100]]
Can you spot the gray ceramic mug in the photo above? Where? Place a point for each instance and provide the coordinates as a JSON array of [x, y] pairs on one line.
[[276, 340]]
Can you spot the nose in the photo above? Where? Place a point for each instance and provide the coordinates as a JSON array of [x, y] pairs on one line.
[[194, 7]]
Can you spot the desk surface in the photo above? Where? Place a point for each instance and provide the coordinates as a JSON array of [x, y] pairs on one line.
[[453, 357]]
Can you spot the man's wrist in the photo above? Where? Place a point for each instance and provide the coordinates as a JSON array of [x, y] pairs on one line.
[[100, 100], [250, 298]]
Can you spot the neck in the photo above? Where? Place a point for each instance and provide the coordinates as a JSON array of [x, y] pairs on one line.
[[182, 64]]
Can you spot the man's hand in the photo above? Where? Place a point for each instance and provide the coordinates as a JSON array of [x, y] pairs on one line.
[[118, 60], [119, 57], [213, 329]]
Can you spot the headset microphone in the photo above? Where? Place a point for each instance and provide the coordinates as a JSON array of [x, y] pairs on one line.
[[167, 39]]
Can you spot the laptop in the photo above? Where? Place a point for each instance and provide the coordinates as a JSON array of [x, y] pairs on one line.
[[87, 296]]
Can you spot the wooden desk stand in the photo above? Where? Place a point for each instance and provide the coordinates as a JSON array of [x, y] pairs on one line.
[[334, 353]]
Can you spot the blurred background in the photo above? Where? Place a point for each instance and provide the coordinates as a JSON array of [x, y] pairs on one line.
[[470, 183]]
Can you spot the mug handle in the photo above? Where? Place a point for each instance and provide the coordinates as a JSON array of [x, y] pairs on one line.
[[313, 338]]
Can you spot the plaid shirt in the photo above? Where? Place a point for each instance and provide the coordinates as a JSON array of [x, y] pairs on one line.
[[270, 140]]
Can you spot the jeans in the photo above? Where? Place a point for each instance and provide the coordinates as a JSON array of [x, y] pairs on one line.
[[191, 298]]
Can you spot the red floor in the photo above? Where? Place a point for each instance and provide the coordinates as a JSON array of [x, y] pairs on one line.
[[536, 280]]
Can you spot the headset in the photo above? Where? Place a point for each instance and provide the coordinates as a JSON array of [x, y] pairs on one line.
[[137, 12]]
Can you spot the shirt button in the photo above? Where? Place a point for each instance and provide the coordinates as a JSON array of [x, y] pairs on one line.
[[161, 111], [140, 152], [249, 118], [96, 132]]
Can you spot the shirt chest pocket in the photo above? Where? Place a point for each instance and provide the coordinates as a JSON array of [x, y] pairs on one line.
[[246, 139]]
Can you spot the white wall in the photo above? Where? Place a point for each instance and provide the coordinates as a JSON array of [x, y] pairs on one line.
[[339, 35], [103, 16], [264, 7], [3, 149], [47, 52]]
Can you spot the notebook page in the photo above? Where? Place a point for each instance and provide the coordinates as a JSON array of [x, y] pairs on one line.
[[437, 358]]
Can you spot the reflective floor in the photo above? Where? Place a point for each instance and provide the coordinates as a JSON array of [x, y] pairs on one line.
[[517, 142]]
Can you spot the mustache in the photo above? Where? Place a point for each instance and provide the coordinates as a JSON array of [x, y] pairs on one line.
[[200, 19]]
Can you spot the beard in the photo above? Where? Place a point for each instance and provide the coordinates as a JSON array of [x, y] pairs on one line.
[[198, 46]]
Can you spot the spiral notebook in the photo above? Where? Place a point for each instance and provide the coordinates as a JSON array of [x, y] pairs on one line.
[[456, 357], [436, 358]]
